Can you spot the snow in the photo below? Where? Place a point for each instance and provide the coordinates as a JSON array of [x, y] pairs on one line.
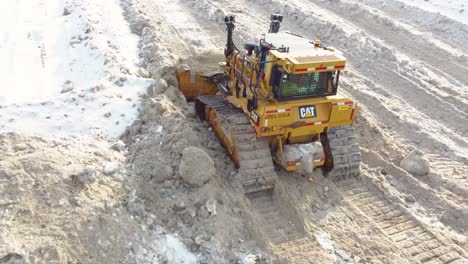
[[164, 248], [91, 49], [175, 251], [326, 243], [454, 9]]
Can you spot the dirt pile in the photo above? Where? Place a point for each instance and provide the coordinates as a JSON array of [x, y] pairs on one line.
[[184, 177], [58, 206]]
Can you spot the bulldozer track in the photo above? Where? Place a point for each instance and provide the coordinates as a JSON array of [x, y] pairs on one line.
[[251, 154], [407, 233], [345, 152]]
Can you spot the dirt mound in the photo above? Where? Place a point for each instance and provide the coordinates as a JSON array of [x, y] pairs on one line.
[[173, 155], [52, 213], [207, 62]]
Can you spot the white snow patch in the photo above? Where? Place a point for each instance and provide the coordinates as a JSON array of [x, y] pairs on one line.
[[248, 259], [454, 9], [336, 255], [326, 243], [165, 248], [175, 251], [91, 51]]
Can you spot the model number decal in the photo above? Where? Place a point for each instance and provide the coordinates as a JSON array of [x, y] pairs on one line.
[[278, 115], [307, 111]]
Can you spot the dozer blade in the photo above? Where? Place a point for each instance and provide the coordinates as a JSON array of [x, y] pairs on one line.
[[194, 84]]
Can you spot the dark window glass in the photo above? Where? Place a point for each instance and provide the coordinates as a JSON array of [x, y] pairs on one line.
[[305, 85]]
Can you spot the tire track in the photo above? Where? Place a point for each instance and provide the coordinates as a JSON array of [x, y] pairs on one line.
[[409, 235], [433, 24], [392, 32], [454, 170], [284, 233], [451, 175], [182, 34]]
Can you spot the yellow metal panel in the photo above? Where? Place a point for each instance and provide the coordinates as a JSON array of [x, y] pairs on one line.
[[193, 84]]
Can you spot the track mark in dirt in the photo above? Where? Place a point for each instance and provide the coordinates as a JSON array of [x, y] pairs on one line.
[[453, 170], [409, 235], [289, 241], [392, 31]]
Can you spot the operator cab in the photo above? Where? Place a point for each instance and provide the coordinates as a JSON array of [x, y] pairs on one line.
[[302, 68]]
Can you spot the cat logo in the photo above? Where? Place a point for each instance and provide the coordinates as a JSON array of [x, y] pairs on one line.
[[307, 111]]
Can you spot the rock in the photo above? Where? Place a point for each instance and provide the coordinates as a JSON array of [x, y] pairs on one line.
[[110, 167], [190, 136], [88, 175], [163, 173], [202, 212], [66, 12], [118, 146], [143, 73], [135, 205], [201, 239], [410, 199], [100, 87], [416, 163], [67, 86], [108, 114], [196, 166], [211, 206], [159, 129], [162, 85], [139, 23], [75, 201], [89, 28], [188, 242], [49, 254], [13, 258], [118, 83], [192, 211]]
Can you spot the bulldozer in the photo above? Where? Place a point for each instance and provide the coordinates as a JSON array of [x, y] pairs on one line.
[[277, 101]]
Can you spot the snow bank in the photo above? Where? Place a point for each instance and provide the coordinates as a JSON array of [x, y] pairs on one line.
[[70, 68], [454, 9]]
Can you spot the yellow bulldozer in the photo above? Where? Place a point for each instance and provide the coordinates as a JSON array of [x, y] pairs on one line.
[[277, 101]]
